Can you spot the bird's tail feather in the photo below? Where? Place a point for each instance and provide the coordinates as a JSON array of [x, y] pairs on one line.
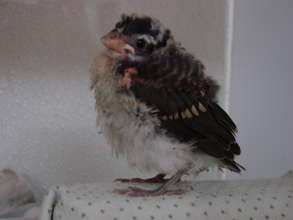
[[233, 166]]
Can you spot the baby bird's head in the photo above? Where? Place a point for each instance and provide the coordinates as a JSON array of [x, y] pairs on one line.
[[136, 38]]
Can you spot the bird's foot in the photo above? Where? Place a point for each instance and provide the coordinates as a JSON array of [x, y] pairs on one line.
[[138, 192], [127, 78], [157, 179]]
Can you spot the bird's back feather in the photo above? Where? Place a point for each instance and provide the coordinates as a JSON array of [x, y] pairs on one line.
[[186, 106]]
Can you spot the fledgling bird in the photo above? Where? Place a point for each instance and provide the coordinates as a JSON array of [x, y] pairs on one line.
[[157, 107]]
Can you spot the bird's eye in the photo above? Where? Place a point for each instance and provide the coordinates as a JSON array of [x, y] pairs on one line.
[[140, 43]]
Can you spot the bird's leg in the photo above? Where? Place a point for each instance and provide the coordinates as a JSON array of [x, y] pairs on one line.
[[156, 179], [161, 190]]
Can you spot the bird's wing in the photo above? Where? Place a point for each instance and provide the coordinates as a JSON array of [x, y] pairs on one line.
[[190, 117]]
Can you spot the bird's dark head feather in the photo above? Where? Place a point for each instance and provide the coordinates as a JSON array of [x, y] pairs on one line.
[[139, 37]]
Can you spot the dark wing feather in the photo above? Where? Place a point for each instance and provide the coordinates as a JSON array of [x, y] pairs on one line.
[[191, 117]]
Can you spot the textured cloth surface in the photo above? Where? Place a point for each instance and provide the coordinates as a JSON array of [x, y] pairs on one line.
[[227, 200], [16, 198]]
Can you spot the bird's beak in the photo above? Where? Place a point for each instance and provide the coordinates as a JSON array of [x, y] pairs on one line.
[[114, 41]]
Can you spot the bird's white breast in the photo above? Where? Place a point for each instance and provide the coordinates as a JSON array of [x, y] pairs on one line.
[[130, 129]]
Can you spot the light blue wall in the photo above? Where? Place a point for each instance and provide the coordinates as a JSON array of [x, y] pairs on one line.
[[262, 85]]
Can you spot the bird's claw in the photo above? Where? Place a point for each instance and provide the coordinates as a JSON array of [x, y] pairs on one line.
[[154, 180], [133, 180], [127, 74]]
